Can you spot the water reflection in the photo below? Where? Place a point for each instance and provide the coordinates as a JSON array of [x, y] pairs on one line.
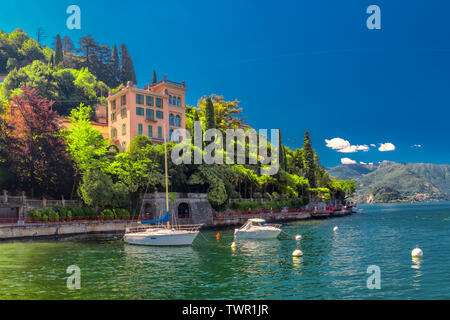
[[296, 263], [333, 266], [416, 263]]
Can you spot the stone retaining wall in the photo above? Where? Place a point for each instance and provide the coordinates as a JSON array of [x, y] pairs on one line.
[[62, 229]]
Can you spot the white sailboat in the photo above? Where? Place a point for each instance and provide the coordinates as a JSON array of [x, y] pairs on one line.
[[257, 229], [162, 233]]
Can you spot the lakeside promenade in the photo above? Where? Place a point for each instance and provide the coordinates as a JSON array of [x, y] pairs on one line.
[[22, 230]]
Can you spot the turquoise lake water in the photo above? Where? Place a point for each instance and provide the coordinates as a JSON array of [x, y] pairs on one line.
[[334, 265]]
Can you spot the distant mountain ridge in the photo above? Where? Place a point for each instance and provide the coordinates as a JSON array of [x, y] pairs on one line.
[[389, 181]]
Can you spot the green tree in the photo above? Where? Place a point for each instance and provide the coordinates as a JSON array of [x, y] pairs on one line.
[[137, 168], [227, 114], [98, 190], [126, 66], [86, 145], [115, 66], [281, 152], [59, 55], [209, 115], [155, 79], [308, 160]]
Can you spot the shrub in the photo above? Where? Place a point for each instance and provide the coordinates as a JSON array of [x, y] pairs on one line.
[[45, 217], [77, 211], [122, 214], [275, 196], [52, 215], [89, 212], [108, 214], [62, 211], [257, 195], [36, 214], [267, 196]]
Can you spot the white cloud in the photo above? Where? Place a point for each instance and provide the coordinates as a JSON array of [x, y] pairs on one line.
[[347, 161], [344, 146], [417, 146], [373, 145], [386, 147], [362, 162], [337, 143]]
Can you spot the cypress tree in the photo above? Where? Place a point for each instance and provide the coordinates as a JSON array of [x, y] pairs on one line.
[[115, 64], [59, 55], [209, 114], [282, 152], [126, 66], [155, 79], [308, 161]]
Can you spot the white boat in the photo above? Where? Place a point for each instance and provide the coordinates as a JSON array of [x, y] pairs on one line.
[[257, 229], [162, 236], [162, 233]]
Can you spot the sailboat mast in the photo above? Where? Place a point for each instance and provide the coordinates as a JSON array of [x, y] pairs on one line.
[[166, 175]]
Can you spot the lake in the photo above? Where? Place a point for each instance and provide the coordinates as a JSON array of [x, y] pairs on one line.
[[334, 265]]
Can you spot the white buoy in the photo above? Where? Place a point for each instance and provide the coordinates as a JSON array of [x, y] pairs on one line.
[[233, 245], [335, 228], [417, 252], [297, 253], [298, 237]]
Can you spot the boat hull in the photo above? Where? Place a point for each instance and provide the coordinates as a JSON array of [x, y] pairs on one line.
[[257, 234], [161, 240]]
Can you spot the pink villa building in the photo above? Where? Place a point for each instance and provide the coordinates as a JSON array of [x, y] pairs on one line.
[[133, 111]]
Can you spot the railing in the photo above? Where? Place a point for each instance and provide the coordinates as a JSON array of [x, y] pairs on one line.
[[4, 222], [182, 84], [23, 201], [260, 214]]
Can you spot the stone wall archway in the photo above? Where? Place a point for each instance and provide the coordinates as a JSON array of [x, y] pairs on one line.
[[184, 211]]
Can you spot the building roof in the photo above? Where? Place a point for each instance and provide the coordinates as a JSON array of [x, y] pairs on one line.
[[148, 89]]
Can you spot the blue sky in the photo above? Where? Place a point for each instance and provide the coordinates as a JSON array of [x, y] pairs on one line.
[[295, 64]]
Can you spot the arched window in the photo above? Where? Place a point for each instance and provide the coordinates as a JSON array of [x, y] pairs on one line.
[[177, 121], [171, 122], [178, 101]]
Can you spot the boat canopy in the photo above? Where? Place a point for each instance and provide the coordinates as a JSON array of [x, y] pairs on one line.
[[257, 220], [165, 218]]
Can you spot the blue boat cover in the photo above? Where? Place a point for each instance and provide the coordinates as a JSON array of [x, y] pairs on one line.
[[165, 218]]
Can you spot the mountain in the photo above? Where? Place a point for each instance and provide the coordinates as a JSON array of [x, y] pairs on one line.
[[438, 174], [383, 195], [350, 171], [389, 181]]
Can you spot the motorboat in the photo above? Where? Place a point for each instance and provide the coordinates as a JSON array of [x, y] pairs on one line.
[[257, 229]]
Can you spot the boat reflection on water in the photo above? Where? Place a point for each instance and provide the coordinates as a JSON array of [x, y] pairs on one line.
[[168, 258]]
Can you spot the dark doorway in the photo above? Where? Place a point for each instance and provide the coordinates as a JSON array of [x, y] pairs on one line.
[[148, 212], [183, 211]]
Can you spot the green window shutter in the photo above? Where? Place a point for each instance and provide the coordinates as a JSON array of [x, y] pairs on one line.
[[150, 131]]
